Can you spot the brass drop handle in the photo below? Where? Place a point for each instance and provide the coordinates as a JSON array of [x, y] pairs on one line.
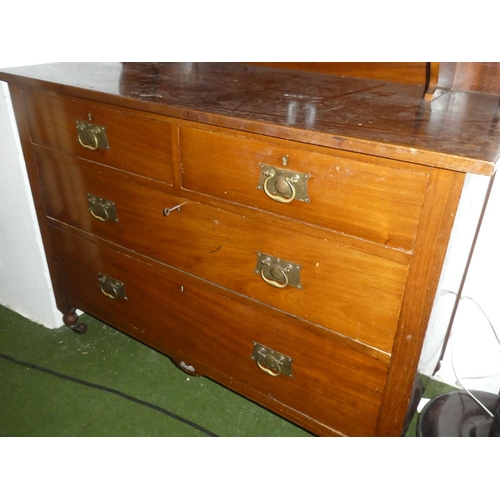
[[91, 136], [104, 218], [273, 367], [275, 284], [93, 142], [111, 288], [272, 362], [277, 272], [284, 181], [113, 295], [101, 209]]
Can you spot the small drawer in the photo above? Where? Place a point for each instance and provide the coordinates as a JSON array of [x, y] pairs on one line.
[[114, 136], [329, 380], [370, 201], [346, 290]]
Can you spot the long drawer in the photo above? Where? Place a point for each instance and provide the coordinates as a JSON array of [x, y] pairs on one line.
[[325, 378], [355, 293], [368, 200], [135, 142]]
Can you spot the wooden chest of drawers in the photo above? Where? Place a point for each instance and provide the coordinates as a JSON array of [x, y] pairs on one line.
[[295, 262]]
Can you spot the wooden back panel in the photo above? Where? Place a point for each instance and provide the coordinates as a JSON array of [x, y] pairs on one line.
[[415, 73], [464, 77], [477, 77], [459, 76]]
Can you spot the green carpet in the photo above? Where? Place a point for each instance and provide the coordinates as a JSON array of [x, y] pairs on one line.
[[105, 383], [34, 403]]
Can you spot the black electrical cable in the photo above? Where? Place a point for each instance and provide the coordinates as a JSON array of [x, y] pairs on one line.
[[112, 391]]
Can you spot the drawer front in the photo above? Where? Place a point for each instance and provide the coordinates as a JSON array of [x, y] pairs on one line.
[[178, 314], [369, 201], [343, 289], [137, 143]]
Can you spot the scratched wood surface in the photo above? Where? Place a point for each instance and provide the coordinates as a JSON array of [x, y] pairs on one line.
[[379, 118]]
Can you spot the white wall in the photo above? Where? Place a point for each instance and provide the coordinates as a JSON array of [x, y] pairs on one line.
[[24, 281], [467, 218], [474, 351]]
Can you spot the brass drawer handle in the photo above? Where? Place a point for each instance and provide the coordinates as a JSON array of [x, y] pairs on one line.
[[91, 136], [277, 272], [282, 182], [101, 209], [272, 362], [105, 218], [113, 295], [92, 143], [273, 270], [111, 288], [282, 185]]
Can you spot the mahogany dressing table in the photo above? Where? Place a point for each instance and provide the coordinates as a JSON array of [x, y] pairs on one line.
[[279, 228]]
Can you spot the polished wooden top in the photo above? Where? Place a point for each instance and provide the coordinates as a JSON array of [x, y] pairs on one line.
[[459, 130]]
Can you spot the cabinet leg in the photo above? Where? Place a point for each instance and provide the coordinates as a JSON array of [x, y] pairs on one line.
[[71, 321], [191, 370]]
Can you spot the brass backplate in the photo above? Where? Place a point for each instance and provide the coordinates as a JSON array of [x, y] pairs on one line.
[[279, 271], [273, 360], [277, 186], [91, 135]]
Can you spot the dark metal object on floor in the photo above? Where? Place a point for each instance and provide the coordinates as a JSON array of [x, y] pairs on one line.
[[457, 414]]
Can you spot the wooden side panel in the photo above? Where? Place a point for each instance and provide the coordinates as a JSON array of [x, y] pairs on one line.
[[431, 245], [36, 190]]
